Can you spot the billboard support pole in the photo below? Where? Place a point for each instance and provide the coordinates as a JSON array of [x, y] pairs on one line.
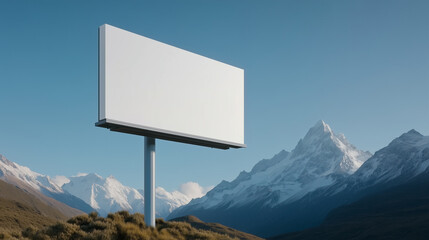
[[149, 181]]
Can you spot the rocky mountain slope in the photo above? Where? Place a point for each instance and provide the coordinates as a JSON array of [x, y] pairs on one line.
[[320, 159], [296, 190], [400, 212], [402, 161]]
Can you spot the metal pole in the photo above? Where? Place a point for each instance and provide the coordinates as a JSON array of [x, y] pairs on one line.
[[149, 181]]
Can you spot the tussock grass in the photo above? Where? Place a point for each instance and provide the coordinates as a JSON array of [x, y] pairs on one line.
[[120, 225], [15, 216]]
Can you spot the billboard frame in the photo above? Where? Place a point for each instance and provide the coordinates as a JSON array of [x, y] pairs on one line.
[[142, 130], [118, 126]]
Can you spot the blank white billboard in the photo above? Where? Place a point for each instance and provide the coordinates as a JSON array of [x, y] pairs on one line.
[[153, 89]]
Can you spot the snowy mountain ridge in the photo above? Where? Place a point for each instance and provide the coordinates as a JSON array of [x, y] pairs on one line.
[[89, 192], [298, 189], [35, 180], [108, 195], [319, 159], [406, 156], [42, 187]]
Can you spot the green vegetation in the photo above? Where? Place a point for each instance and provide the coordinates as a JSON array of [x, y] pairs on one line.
[[120, 225]]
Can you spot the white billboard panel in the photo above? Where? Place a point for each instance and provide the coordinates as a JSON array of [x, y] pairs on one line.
[[153, 89]]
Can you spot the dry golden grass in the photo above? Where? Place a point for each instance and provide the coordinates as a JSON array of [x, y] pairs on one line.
[[25, 217], [15, 216], [22, 197], [120, 225]]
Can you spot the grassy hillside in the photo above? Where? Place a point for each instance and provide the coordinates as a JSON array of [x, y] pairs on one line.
[[64, 209], [20, 210], [216, 227], [121, 225], [21, 196], [22, 215], [15, 216]]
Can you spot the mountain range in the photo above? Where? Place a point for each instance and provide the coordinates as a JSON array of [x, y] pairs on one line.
[[296, 190], [323, 186], [42, 187], [107, 195], [87, 192], [23, 215], [320, 159]]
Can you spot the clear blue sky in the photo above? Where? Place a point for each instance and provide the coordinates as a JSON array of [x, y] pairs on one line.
[[362, 66]]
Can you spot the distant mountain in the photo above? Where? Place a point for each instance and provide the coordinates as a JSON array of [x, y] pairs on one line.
[[321, 159], [107, 195], [87, 192], [35, 180], [41, 187], [166, 202], [404, 159], [215, 227], [400, 212], [20, 209]]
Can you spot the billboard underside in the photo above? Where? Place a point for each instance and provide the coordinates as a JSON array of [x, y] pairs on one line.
[[117, 126]]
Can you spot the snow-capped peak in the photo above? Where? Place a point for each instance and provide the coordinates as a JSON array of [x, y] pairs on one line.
[[406, 156], [5, 161], [109, 195], [319, 131], [89, 191], [104, 195], [409, 137], [413, 132], [344, 158], [322, 126], [318, 160], [9, 169], [88, 176]]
